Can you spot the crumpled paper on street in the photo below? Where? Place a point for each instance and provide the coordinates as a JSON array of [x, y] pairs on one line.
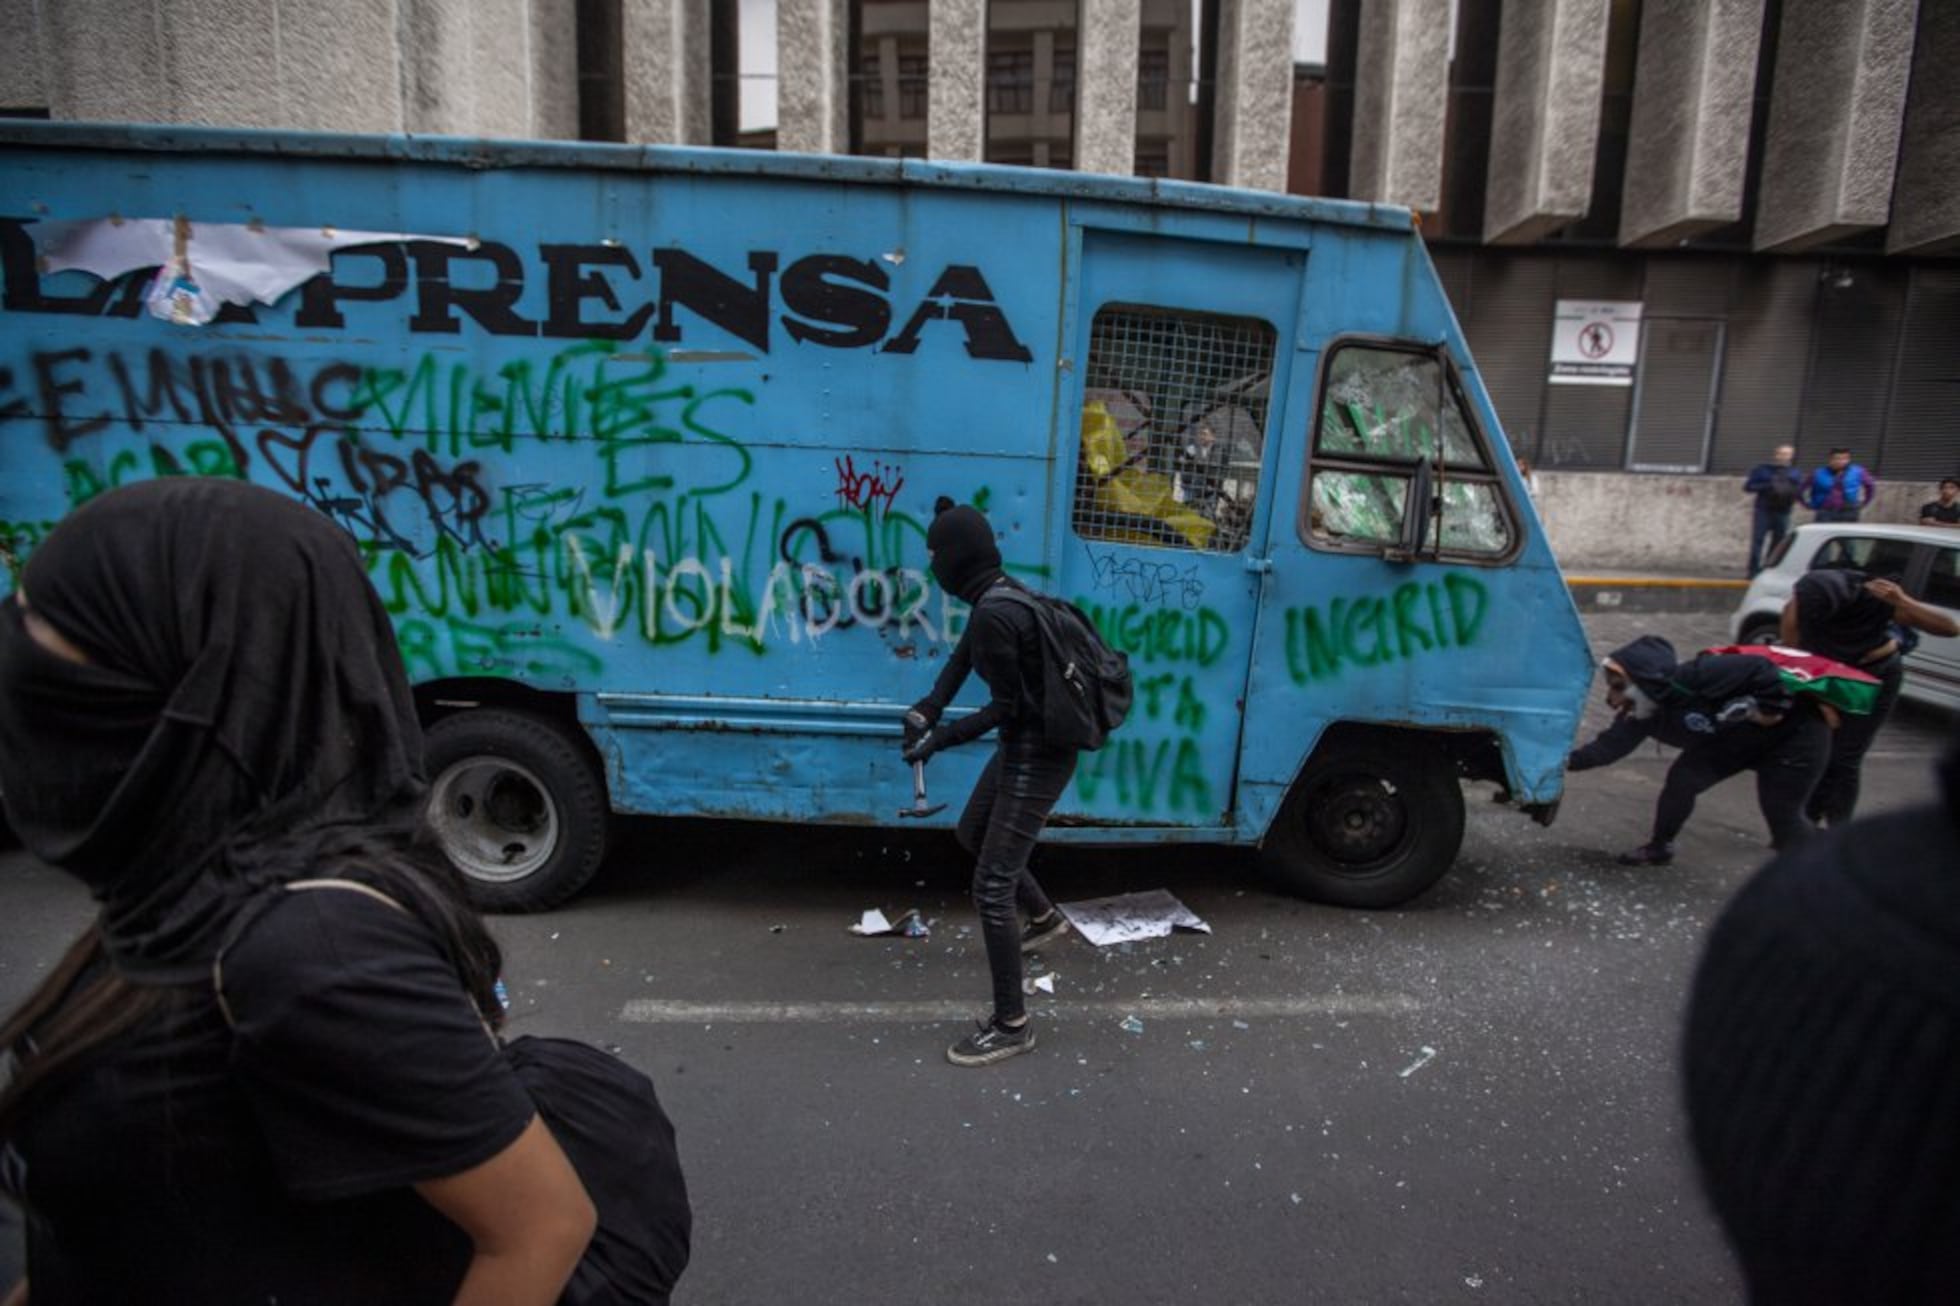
[[202, 266], [1130, 917]]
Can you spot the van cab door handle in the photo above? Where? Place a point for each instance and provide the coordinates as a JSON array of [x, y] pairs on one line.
[[1258, 566]]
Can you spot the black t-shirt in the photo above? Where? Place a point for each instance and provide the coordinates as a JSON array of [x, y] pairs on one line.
[[189, 1162], [1838, 617], [1941, 512]]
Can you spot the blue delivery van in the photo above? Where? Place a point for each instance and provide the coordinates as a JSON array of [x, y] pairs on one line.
[[640, 446]]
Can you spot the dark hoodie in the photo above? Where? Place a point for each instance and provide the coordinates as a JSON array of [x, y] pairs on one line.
[[1001, 640], [1696, 700]]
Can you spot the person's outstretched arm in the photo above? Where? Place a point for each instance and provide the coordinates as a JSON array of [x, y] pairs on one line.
[[1611, 744], [1910, 611], [527, 1215]]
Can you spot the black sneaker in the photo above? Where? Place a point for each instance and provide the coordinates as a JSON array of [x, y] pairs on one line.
[[1647, 854], [1037, 932], [991, 1042]]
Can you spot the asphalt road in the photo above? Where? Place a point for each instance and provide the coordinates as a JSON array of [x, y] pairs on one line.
[[1469, 1099]]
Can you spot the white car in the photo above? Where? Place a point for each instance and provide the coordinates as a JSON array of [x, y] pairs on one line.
[[1925, 560]]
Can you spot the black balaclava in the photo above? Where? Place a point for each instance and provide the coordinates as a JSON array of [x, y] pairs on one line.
[[1647, 662], [243, 688], [965, 559]]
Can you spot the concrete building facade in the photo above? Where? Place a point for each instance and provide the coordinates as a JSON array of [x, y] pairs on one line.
[[1766, 192]]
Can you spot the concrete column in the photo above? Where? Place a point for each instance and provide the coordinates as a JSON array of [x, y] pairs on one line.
[[1254, 110], [1551, 64], [1926, 200], [812, 104], [1401, 92], [1688, 156], [464, 67], [22, 83], [956, 80], [1106, 86], [668, 67], [1832, 149]]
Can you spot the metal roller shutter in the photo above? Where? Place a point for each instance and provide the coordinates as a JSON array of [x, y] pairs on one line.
[[1508, 321], [1766, 358], [1922, 431], [1859, 309]]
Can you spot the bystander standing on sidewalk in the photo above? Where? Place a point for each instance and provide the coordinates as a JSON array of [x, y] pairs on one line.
[[1945, 510], [1839, 490], [1777, 484]]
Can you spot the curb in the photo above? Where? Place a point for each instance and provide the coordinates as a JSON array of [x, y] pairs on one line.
[[1654, 593]]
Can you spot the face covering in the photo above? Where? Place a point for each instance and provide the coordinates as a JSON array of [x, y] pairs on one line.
[[1642, 704], [965, 559], [243, 689]]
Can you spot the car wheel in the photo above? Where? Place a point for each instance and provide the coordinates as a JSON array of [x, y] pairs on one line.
[[1367, 825], [1760, 630], [519, 805]]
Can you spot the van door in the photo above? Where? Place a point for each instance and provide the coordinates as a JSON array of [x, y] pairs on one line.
[[1177, 351]]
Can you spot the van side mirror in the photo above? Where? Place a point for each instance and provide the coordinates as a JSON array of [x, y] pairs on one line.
[[1417, 509]]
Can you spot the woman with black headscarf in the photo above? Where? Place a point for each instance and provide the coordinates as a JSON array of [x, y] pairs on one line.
[[226, 1092], [1021, 783]]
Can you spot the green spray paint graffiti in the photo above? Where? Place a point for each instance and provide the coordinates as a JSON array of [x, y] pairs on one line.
[[1155, 765], [1417, 617]]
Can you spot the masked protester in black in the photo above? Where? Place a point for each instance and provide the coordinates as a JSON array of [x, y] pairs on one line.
[[1727, 713], [1021, 783], [1864, 622], [201, 701]]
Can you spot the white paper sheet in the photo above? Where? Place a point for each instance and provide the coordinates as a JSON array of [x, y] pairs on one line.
[[204, 265], [873, 922], [1129, 917]]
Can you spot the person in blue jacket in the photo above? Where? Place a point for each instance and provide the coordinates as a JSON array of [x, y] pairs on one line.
[[1839, 490], [1727, 713]]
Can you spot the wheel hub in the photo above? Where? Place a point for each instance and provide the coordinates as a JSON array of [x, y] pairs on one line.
[[1358, 819], [495, 819]]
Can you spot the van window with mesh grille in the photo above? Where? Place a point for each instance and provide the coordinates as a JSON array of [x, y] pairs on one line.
[[1383, 410], [1173, 427]]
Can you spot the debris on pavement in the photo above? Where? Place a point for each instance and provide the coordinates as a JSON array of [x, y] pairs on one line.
[[1129, 917], [1131, 1025], [1428, 1055], [1039, 984], [873, 922]]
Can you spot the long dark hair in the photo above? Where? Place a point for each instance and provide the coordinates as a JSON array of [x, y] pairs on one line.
[[84, 1005]]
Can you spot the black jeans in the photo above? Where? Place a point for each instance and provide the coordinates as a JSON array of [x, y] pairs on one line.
[[1787, 759], [1836, 795], [1000, 825]]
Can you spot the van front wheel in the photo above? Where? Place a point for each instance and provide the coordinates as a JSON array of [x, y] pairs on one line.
[[518, 804], [1368, 826]]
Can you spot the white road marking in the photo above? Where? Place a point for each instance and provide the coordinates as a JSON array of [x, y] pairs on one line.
[[654, 1011]]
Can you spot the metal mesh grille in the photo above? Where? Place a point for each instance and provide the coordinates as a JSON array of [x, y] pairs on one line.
[[1173, 428]]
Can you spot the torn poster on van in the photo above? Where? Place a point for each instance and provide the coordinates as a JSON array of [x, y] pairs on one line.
[[1129, 917], [202, 266]]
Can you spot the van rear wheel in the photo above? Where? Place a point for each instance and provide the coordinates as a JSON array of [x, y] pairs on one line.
[[1367, 825], [519, 805]]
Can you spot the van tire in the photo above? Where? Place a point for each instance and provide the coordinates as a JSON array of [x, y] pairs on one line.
[[519, 804], [1368, 824]]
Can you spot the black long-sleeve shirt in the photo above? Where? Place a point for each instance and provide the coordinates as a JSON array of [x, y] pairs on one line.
[[1002, 643], [1690, 710]]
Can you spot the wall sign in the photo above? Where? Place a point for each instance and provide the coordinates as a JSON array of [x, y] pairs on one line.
[[1595, 341]]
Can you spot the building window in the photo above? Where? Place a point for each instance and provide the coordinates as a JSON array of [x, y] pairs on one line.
[[1153, 161], [1061, 83], [1389, 418], [1173, 427], [1010, 81], [911, 86], [1153, 79], [872, 82]]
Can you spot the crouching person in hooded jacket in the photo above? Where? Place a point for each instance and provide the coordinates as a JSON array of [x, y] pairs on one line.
[[1021, 783], [1727, 713]]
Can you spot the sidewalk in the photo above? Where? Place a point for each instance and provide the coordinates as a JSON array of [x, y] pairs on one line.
[[1603, 589]]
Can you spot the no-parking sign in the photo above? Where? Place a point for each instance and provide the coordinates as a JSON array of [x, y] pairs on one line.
[[1595, 341]]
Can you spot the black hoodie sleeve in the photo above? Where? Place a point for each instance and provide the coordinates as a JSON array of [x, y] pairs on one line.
[[950, 678], [1611, 744], [993, 638]]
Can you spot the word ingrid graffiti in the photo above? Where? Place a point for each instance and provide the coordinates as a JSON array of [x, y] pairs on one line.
[[1161, 634], [1145, 581], [858, 489], [1156, 765], [1416, 617]]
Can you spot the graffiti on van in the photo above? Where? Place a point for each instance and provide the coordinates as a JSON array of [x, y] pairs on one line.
[[473, 571], [1371, 630]]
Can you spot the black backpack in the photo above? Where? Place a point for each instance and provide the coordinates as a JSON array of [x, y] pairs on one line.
[[1086, 689], [1785, 483]]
